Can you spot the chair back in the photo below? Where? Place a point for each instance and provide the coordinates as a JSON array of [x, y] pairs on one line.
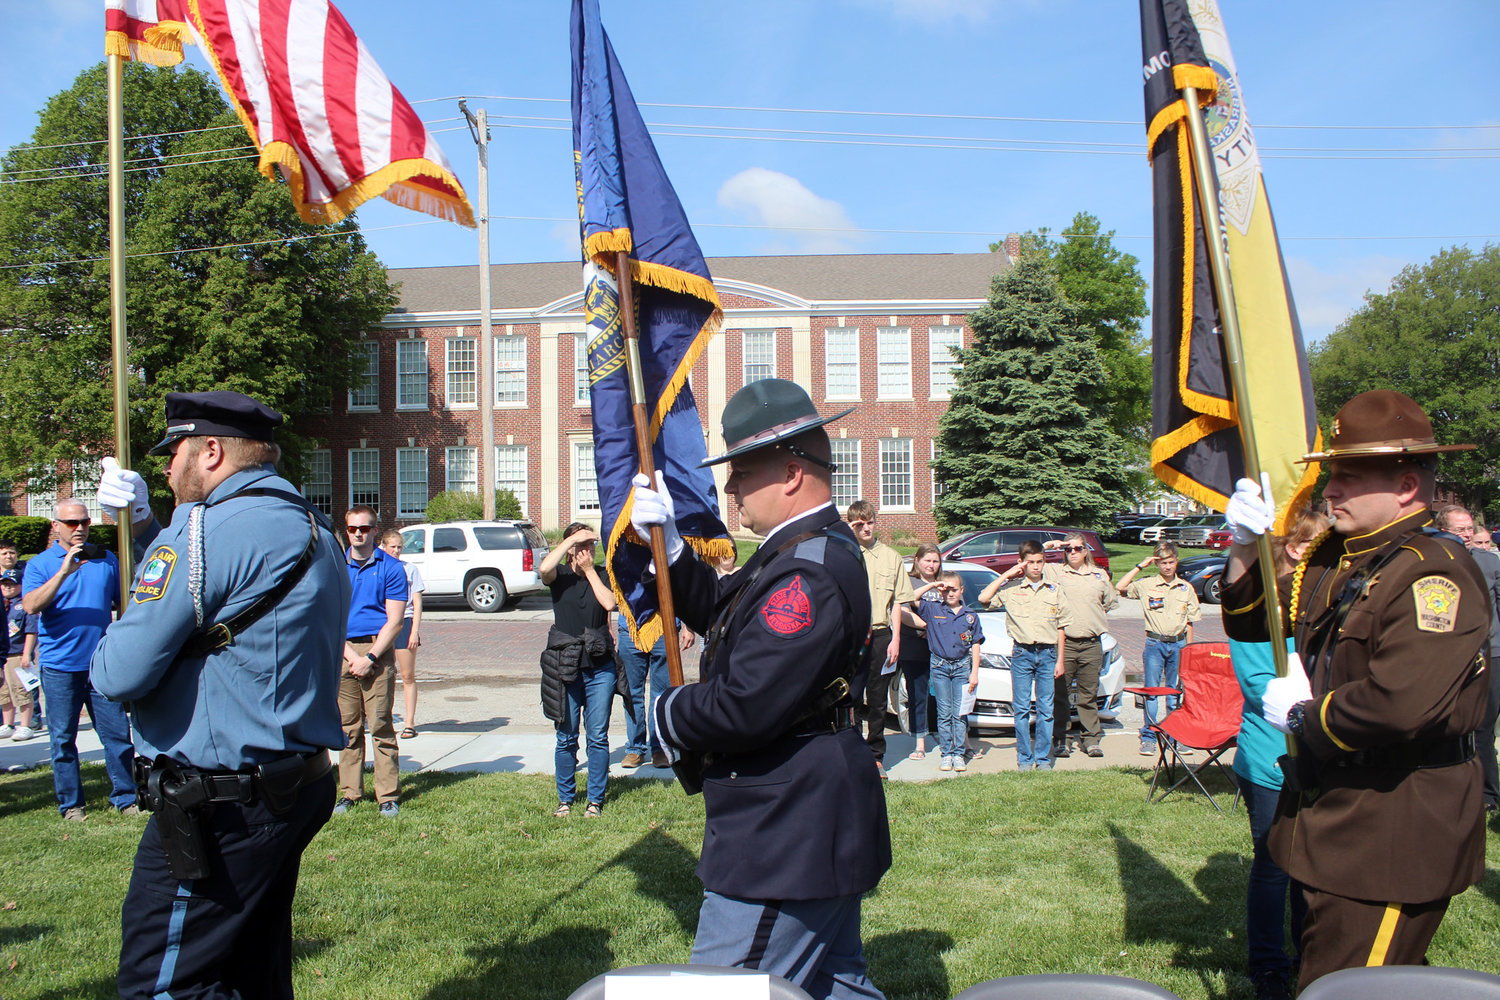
[[1212, 702], [1065, 987], [776, 987], [1401, 982]]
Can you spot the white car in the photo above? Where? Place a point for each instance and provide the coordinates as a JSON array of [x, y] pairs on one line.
[[488, 563], [1152, 535], [993, 699]]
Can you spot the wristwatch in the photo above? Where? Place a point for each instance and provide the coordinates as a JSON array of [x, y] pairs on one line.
[[1295, 721], [372, 657]]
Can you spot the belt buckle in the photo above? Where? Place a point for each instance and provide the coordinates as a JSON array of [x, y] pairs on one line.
[[218, 636]]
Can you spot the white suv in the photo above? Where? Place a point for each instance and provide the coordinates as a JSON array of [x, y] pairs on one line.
[[488, 563]]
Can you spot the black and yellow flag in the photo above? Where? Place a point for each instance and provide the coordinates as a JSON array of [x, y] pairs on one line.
[[1195, 446]]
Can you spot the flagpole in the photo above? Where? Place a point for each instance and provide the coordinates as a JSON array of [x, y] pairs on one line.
[[115, 98], [664, 605]]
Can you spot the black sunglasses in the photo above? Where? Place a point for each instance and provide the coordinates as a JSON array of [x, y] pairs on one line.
[[1075, 548], [75, 522], [359, 527]]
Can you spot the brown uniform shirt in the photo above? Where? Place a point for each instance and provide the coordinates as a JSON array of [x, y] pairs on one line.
[[1168, 607], [1407, 667], [1088, 595], [889, 584], [1033, 614]]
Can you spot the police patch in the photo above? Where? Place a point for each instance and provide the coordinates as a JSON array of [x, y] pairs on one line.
[[787, 612], [155, 575], [1437, 603]]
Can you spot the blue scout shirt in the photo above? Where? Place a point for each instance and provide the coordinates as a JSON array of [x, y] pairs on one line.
[[71, 626], [377, 581], [274, 689], [951, 632]]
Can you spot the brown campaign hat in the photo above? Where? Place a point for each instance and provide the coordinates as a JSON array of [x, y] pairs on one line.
[[1381, 423]]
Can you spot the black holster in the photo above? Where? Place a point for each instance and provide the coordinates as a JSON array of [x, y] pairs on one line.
[[178, 804], [689, 770], [1302, 775]]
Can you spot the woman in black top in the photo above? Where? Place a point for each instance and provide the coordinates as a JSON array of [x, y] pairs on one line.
[[915, 661]]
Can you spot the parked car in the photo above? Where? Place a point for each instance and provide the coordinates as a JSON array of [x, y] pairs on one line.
[[1219, 540], [1152, 534], [1130, 534], [996, 548], [1206, 574], [1194, 531], [992, 706], [488, 563]]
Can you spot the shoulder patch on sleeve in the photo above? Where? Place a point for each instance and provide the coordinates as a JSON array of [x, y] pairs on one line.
[[155, 575], [787, 612], [1437, 603]]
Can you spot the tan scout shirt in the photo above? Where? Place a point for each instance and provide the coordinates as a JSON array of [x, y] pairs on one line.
[[889, 584], [1087, 594], [1033, 613], [1168, 607]]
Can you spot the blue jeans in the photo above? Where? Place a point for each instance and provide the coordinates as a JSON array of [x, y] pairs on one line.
[[1159, 662], [1031, 678], [949, 678], [1265, 899], [640, 732], [590, 696], [68, 692], [918, 679]]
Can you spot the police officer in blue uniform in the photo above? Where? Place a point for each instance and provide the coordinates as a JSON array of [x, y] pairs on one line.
[[796, 821], [228, 657]]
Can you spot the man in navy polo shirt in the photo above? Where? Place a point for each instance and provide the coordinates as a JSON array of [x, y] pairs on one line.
[[72, 587], [367, 687]]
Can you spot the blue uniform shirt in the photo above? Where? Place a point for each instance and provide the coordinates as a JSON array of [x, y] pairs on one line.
[[275, 688], [951, 632], [377, 581], [70, 627]]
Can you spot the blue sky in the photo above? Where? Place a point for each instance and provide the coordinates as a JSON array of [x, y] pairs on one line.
[[875, 100]]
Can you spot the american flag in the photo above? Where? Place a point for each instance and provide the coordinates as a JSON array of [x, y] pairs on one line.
[[313, 99]]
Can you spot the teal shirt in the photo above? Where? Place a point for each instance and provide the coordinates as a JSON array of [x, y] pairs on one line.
[[1260, 743]]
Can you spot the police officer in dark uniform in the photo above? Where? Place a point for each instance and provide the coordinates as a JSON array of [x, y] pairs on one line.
[[228, 656], [796, 822], [1381, 816]]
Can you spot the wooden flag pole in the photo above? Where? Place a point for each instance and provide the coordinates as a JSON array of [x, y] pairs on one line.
[[115, 98], [664, 606]]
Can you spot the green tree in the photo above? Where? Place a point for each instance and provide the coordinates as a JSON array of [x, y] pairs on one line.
[[1435, 335], [455, 505], [269, 312], [1024, 438]]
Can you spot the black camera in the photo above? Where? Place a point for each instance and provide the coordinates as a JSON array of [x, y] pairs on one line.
[[91, 550]]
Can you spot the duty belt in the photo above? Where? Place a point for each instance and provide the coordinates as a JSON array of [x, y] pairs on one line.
[[236, 786], [1159, 637], [1444, 752]]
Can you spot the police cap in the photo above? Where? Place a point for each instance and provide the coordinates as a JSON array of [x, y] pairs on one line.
[[220, 413], [767, 412]]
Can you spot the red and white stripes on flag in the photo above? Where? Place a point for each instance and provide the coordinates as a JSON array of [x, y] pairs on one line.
[[313, 99]]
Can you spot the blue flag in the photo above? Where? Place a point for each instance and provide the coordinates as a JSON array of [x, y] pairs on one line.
[[626, 202]]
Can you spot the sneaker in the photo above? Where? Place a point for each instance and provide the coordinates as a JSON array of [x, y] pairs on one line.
[[1270, 985], [1094, 750], [659, 759], [1148, 748], [131, 810], [1183, 750], [633, 759], [6, 731], [1060, 749], [344, 805], [23, 733], [75, 815], [946, 765], [390, 810], [960, 765]]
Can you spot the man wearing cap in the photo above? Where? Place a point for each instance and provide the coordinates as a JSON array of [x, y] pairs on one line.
[[1459, 521], [796, 824], [228, 654], [15, 697], [1381, 818]]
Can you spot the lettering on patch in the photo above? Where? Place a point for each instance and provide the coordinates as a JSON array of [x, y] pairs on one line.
[[155, 575], [1437, 603], [787, 612]]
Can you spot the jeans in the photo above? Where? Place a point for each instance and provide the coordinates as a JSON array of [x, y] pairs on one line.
[[1160, 664], [590, 696], [640, 732], [1265, 900], [68, 692], [949, 678], [918, 679], [1031, 670]]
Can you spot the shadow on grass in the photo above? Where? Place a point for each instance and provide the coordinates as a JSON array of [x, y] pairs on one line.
[[1490, 885], [35, 792], [545, 968], [909, 963], [97, 989], [23, 932], [663, 871], [414, 786]]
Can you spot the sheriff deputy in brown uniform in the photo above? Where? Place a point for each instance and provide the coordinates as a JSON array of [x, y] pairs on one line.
[[1382, 819]]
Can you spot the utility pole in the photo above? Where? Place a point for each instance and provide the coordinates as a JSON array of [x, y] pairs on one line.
[[484, 471]]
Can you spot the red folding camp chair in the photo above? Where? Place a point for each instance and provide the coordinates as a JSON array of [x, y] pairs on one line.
[[1207, 719]]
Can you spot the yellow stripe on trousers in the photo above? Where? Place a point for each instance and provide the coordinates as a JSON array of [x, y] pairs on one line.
[[1383, 936]]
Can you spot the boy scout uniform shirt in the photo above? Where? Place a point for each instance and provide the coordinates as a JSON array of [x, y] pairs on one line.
[[1087, 594], [951, 632], [889, 584], [1168, 607], [1033, 613], [274, 689], [1407, 667]]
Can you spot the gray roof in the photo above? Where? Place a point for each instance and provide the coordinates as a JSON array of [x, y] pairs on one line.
[[829, 277]]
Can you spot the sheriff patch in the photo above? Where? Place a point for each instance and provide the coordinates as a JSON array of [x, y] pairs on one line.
[[1437, 603], [155, 575], [787, 612]]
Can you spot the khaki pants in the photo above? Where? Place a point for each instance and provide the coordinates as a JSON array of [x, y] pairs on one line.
[[1083, 660], [371, 698], [12, 691]]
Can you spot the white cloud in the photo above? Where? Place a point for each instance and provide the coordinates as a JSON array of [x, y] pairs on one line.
[[801, 220], [1326, 296]]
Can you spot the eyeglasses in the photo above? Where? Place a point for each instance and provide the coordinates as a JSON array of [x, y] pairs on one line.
[[1075, 548], [75, 522], [361, 528]]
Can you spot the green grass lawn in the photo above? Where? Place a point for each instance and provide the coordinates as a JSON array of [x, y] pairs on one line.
[[475, 892]]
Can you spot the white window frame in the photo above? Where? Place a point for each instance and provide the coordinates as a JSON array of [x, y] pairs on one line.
[[765, 363], [461, 470], [938, 488], [317, 480], [893, 362], [581, 395], [941, 364], [86, 473], [42, 502], [355, 495], [364, 386], [462, 373], [584, 479], [510, 372], [848, 482], [895, 452], [841, 370], [511, 472], [410, 489], [411, 374]]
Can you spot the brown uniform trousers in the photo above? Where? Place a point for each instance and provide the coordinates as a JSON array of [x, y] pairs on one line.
[[371, 698], [1088, 595]]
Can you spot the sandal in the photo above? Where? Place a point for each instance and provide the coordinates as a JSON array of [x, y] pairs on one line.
[[916, 755], [562, 810], [594, 809], [408, 733]]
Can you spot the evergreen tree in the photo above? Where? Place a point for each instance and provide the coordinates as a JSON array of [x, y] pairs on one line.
[[1025, 439]]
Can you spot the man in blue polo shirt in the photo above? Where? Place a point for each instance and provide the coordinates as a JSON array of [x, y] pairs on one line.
[[367, 687], [72, 587]]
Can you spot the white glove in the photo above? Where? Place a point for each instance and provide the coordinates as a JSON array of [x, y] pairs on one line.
[[1249, 513], [1282, 693], [654, 507], [123, 488]]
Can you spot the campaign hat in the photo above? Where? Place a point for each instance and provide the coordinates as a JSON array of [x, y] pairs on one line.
[[767, 412], [219, 413], [1381, 423]]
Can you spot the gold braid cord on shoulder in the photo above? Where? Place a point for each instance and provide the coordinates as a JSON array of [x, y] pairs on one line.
[[1298, 573]]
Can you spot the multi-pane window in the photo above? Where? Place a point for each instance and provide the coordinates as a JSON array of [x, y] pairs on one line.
[[941, 363], [510, 471], [463, 470], [41, 500], [463, 372], [364, 376], [585, 485], [760, 355], [411, 482], [846, 484], [580, 368], [411, 374], [938, 486], [364, 477], [510, 370], [317, 481], [841, 362], [893, 362], [895, 472], [86, 472]]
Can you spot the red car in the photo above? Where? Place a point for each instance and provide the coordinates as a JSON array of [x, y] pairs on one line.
[[1218, 540], [996, 547]]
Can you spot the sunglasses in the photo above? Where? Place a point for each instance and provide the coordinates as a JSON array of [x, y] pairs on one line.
[[1075, 548], [361, 528], [75, 522]]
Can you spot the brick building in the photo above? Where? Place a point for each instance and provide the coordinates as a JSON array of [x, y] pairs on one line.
[[866, 330]]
